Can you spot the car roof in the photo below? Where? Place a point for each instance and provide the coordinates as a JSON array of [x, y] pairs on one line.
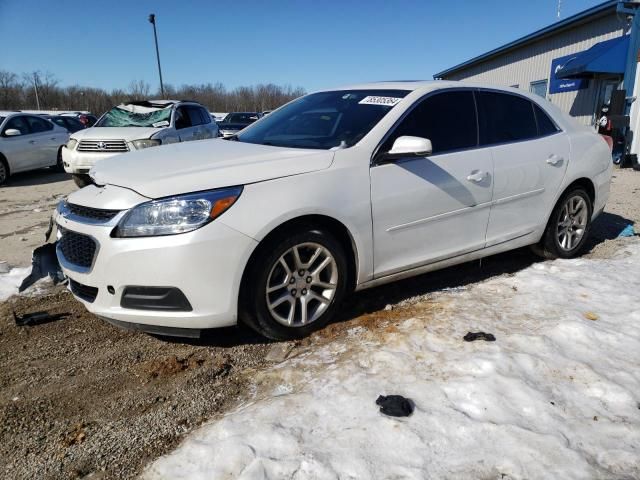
[[427, 85]]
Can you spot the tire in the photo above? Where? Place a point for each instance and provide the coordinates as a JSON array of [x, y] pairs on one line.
[[283, 305], [81, 179], [4, 171], [59, 166], [568, 226]]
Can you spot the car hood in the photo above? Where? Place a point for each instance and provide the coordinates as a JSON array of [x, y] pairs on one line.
[[204, 165], [115, 133]]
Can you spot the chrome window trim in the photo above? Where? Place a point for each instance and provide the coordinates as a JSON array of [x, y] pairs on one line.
[[373, 162]]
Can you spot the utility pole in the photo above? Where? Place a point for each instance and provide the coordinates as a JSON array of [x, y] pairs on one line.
[[35, 87], [152, 21]]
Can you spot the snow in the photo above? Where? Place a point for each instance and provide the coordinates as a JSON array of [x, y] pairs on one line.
[[557, 395], [9, 282]]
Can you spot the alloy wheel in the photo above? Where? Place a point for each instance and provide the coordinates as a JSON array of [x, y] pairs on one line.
[[301, 284], [572, 222]]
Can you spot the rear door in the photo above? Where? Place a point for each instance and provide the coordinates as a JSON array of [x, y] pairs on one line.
[[427, 209], [47, 140], [530, 157]]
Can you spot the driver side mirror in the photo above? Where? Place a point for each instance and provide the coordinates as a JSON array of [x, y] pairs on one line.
[[12, 132], [407, 146]]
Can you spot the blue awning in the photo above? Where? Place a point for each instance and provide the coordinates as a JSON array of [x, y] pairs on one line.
[[608, 57]]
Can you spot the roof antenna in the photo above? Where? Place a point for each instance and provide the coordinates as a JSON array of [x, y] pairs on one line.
[[559, 8]]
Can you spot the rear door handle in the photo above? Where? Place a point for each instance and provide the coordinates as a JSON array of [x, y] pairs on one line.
[[554, 159], [32, 142], [476, 176]]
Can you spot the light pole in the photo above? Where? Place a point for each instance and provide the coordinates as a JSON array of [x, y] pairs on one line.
[[152, 21], [35, 87]]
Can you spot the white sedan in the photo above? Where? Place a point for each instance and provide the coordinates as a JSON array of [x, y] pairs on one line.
[[338, 190], [29, 142]]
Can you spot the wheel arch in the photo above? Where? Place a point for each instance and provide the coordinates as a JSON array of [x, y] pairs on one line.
[[335, 227], [583, 182], [5, 162]]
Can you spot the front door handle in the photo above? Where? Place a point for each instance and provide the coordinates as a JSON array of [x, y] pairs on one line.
[[476, 176], [32, 142], [554, 159]]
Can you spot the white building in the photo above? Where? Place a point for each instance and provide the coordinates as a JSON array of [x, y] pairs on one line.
[[577, 63]]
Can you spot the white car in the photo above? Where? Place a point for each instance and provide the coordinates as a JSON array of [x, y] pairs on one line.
[[135, 126], [28, 142], [338, 190]]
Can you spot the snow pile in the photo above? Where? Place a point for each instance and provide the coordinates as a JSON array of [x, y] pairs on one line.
[[9, 282], [556, 396]]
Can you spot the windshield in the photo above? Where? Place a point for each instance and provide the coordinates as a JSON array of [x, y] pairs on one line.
[[324, 120], [245, 118], [136, 116]]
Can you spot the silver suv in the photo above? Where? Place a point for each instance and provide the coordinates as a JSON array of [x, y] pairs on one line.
[[133, 126]]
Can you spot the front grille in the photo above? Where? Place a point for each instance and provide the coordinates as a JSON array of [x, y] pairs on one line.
[[77, 249], [85, 292], [98, 214], [104, 146]]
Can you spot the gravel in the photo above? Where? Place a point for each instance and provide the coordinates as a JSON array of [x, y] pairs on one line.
[[82, 399]]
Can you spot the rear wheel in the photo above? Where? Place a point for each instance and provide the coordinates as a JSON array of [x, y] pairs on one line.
[[4, 171], [81, 179], [59, 166], [294, 285], [568, 227]]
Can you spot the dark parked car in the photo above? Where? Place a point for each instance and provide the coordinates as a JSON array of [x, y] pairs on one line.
[[236, 121], [72, 124]]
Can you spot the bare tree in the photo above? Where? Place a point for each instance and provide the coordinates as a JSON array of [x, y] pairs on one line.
[[18, 93]]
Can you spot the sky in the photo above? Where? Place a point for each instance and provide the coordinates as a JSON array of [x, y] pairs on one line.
[[312, 44]]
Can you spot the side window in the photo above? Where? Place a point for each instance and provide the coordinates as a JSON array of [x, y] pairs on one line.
[[182, 118], [448, 119], [18, 123], [206, 117], [194, 116], [545, 124], [505, 118], [38, 125]]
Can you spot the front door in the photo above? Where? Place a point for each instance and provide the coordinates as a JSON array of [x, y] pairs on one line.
[[431, 208]]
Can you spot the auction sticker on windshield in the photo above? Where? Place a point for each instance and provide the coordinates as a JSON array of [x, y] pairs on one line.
[[372, 100]]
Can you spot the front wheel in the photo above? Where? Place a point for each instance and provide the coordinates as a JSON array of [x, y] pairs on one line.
[[294, 285], [568, 226]]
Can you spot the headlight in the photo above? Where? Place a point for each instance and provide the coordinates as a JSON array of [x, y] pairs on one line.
[[179, 214], [71, 144], [140, 144]]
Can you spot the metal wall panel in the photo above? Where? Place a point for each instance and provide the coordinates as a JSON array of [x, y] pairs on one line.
[[532, 62]]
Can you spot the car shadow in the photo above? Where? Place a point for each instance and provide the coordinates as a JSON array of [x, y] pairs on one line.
[[42, 176], [606, 227]]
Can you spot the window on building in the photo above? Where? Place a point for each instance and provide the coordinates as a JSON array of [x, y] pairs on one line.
[[505, 118], [539, 88], [545, 124], [447, 119]]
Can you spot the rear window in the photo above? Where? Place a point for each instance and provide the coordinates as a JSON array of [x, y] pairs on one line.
[[37, 124], [545, 124], [505, 118]]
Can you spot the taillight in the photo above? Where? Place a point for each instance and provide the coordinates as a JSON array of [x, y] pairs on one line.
[[609, 141]]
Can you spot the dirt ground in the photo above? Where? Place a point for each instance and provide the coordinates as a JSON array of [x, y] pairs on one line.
[[82, 399]]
